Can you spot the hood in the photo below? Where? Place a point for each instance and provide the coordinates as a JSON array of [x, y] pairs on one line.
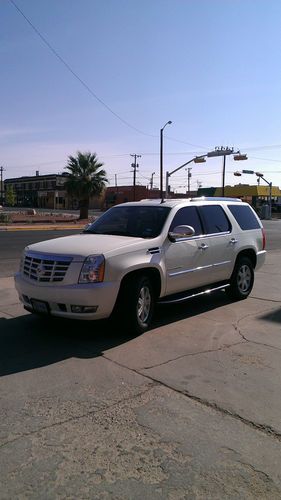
[[82, 245]]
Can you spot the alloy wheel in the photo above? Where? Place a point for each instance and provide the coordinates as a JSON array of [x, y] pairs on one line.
[[144, 304]]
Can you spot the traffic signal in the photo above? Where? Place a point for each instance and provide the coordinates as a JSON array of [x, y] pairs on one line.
[[199, 160], [240, 157]]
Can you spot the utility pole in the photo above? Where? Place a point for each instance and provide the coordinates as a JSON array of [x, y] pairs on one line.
[[1, 185], [188, 179], [151, 180], [135, 165]]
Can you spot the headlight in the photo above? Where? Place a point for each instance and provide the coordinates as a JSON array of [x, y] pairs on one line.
[[92, 270]]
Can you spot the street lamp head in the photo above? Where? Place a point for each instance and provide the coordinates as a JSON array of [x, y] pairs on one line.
[[167, 123], [259, 174]]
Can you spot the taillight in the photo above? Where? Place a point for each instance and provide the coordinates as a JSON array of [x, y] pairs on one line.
[[263, 238]]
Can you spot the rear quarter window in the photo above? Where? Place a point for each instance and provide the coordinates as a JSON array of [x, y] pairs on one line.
[[245, 217]]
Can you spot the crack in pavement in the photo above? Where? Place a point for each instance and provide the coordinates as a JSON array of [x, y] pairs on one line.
[[78, 417], [257, 471], [265, 300], [193, 354], [243, 336], [264, 428]]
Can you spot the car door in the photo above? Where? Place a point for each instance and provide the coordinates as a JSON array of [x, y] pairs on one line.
[[187, 261], [218, 229]]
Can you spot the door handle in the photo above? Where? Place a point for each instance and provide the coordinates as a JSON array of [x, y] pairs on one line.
[[203, 246], [233, 241]]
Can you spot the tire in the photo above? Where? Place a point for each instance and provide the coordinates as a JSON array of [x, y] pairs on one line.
[[136, 304], [242, 279]]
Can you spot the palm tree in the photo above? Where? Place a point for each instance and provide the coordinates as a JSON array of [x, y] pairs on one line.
[[85, 179]]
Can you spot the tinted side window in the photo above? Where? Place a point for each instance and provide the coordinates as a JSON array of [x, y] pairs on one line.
[[187, 216], [215, 219], [244, 216]]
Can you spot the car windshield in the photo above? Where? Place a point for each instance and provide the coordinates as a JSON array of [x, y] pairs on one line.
[[136, 221]]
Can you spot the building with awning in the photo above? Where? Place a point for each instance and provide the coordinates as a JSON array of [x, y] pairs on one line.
[[256, 195]]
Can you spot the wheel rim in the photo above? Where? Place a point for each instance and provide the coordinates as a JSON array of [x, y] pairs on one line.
[[144, 304], [244, 278]]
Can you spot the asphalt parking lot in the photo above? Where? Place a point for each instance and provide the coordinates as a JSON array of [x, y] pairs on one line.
[[191, 409]]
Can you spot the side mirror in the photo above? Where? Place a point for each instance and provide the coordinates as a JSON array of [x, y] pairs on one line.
[[181, 233]]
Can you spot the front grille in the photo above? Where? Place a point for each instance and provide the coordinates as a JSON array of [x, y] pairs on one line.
[[45, 268]]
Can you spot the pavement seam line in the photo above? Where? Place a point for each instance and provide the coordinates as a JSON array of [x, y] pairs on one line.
[[78, 417], [265, 429]]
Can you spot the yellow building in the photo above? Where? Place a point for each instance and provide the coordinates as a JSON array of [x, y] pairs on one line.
[[247, 192]]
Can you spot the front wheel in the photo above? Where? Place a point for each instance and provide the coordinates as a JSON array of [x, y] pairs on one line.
[[242, 279], [137, 303]]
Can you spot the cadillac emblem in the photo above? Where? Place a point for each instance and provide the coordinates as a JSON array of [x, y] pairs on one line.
[[40, 271]]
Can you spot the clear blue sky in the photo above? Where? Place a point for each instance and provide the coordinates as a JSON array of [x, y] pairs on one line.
[[211, 66]]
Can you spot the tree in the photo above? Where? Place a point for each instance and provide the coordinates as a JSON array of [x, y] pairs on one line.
[[86, 179], [10, 195]]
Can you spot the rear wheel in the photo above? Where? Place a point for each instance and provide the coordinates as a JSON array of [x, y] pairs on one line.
[[242, 279]]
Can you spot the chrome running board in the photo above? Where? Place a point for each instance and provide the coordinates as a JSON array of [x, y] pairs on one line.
[[176, 299]]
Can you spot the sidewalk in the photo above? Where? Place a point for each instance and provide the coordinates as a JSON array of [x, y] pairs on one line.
[[42, 227]]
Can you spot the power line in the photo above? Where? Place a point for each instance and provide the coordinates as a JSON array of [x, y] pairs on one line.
[[68, 67], [265, 159], [257, 148], [86, 86], [189, 143]]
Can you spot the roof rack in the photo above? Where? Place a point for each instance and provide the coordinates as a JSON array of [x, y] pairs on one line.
[[214, 198]]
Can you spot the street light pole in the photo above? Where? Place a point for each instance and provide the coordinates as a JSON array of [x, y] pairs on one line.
[[223, 176], [196, 159], [161, 160], [1, 185], [260, 176]]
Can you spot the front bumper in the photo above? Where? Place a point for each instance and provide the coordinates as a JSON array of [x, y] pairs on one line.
[[60, 298]]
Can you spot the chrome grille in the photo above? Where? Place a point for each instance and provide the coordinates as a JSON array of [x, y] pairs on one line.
[[45, 268]]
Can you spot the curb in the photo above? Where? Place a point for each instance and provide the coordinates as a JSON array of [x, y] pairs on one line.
[[41, 228]]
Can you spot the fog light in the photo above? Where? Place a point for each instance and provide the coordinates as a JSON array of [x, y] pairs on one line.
[[84, 309], [76, 309]]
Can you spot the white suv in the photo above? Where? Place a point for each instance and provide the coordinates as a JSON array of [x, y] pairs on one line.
[[137, 254]]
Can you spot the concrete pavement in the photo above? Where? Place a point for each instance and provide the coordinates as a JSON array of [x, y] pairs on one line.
[[191, 409]]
